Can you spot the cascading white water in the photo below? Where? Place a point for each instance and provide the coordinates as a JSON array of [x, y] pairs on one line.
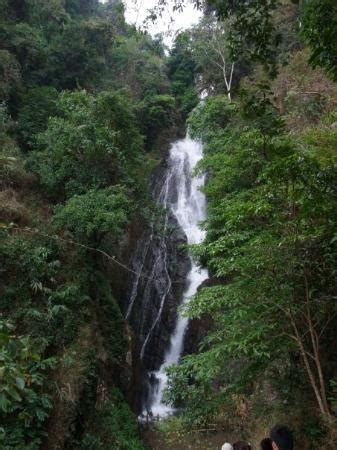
[[189, 208]]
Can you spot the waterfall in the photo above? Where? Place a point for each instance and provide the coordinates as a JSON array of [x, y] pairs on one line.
[[165, 275], [160, 268], [189, 208]]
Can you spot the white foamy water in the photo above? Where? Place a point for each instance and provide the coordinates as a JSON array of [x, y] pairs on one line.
[[189, 207]]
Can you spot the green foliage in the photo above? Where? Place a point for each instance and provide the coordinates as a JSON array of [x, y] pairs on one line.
[[10, 73], [270, 243], [46, 15], [11, 165], [156, 113], [215, 65], [271, 234], [182, 72], [72, 45], [77, 45], [310, 106], [315, 430], [38, 104], [190, 388], [319, 29], [92, 215], [114, 426], [12, 172], [322, 142], [112, 322], [36, 291], [136, 61], [23, 407], [77, 55], [94, 143], [90, 442], [86, 152], [30, 48], [81, 8], [159, 109], [115, 10], [252, 34], [210, 116]]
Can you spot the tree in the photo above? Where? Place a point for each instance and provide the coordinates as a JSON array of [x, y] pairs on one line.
[[83, 8], [252, 34], [210, 49], [30, 48], [23, 407], [157, 113], [94, 142], [92, 215], [78, 54], [50, 16], [319, 28], [37, 105], [182, 73], [134, 61], [10, 73]]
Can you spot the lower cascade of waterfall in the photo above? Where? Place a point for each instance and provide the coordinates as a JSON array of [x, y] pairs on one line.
[[189, 208], [158, 379]]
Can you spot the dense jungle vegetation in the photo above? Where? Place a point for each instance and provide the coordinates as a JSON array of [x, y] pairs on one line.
[[270, 158], [88, 107], [84, 98]]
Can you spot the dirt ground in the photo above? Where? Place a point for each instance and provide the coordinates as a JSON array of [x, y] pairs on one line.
[[209, 440]]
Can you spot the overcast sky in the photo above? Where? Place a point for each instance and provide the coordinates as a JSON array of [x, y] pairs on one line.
[[136, 12]]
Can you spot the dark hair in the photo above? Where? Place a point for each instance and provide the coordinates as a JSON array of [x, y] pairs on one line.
[[282, 437], [266, 444], [241, 445]]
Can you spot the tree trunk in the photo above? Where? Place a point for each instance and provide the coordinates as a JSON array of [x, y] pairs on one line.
[[322, 403]]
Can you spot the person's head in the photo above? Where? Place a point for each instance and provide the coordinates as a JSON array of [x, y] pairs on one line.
[[227, 446], [266, 444], [281, 437], [241, 445]]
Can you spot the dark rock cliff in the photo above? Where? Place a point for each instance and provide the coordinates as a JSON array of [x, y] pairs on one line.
[[162, 265]]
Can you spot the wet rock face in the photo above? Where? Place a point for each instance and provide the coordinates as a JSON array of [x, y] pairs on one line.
[[156, 292], [161, 265], [197, 329]]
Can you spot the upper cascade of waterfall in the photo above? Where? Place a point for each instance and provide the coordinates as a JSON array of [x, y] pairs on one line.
[[190, 205]]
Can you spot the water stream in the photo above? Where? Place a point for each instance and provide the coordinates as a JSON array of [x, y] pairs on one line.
[[189, 208]]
